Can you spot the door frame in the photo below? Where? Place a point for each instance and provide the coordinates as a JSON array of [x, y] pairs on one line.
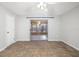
[[31, 26]]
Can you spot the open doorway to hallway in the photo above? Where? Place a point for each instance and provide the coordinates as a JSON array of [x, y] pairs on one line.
[[39, 30]]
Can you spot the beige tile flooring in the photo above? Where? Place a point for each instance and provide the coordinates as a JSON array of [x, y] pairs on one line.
[[39, 49]]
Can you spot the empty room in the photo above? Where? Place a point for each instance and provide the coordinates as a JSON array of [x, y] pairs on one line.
[[39, 29]]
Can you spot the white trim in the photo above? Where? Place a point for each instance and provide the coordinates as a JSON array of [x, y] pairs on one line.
[[6, 46], [53, 40], [71, 45], [23, 40], [3, 48]]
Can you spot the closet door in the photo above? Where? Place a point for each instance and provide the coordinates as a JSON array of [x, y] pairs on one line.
[[10, 29]]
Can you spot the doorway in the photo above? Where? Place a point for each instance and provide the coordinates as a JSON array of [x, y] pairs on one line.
[[39, 30]]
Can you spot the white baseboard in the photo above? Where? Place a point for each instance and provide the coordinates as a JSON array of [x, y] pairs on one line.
[[3, 48], [22, 40], [53, 40], [6, 46], [71, 45]]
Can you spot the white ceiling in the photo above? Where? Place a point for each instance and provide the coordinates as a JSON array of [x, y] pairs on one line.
[[25, 8], [62, 7]]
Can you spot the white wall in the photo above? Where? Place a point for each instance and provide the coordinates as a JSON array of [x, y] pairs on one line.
[[10, 27], [70, 27], [22, 28], [3, 41], [54, 29], [2, 28]]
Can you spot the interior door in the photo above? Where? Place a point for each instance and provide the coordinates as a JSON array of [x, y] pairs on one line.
[[39, 30], [10, 29]]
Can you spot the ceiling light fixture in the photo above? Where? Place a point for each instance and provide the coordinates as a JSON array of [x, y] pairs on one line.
[[42, 6]]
